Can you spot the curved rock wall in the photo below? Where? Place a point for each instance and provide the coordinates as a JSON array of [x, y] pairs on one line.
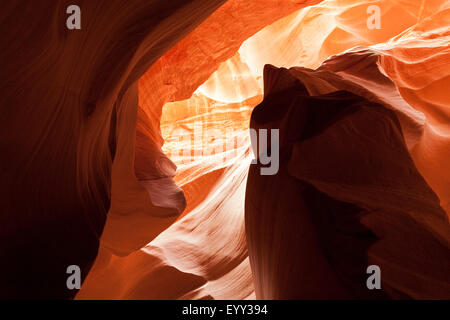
[[93, 171], [63, 94]]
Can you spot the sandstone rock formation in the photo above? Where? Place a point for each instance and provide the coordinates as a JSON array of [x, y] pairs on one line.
[[359, 199], [99, 170], [69, 103]]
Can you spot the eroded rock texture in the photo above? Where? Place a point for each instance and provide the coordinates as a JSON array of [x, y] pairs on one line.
[[69, 105], [175, 76], [355, 134], [348, 195], [210, 258], [95, 164]]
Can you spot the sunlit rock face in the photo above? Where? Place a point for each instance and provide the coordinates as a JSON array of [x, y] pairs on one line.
[[137, 147], [213, 180], [336, 227], [69, 103], [175, 76], [355, 134]]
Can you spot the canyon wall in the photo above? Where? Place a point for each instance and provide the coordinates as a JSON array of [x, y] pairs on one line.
[[303, 241], [360, 139], [69, 104], [96, 170]]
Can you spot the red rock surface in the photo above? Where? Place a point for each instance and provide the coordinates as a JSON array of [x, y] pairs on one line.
[[360, 200], [94, 160], [69, 104]]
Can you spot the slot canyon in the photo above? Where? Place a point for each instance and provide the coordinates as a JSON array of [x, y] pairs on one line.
[[126, 149]]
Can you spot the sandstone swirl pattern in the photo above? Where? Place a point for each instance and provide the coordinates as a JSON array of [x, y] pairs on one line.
[[92, 172]]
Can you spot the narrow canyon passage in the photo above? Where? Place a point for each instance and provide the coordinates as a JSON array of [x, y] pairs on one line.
[[127, 150], [206, 136]]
